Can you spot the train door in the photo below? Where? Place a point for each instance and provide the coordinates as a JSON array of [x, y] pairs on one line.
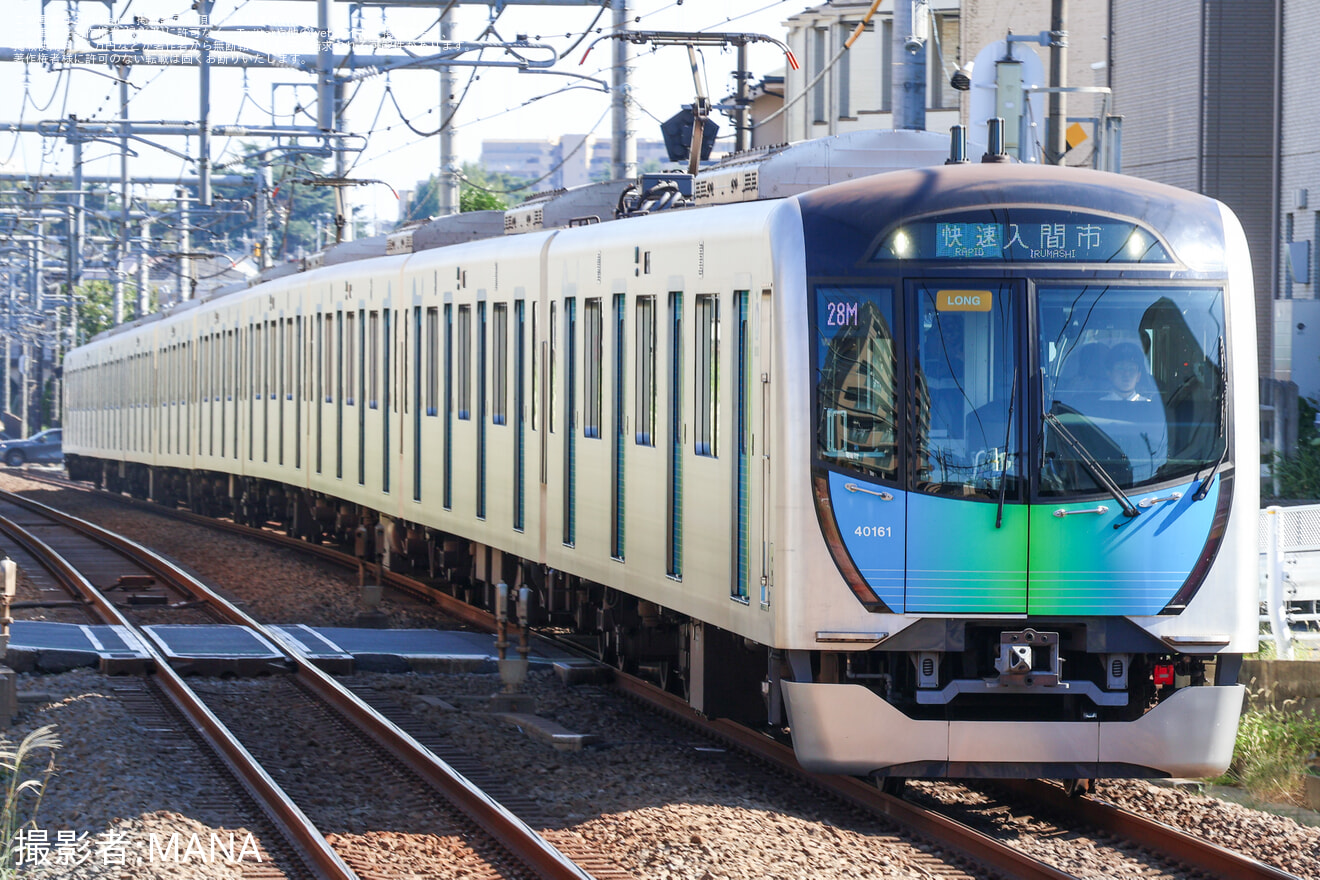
[[966, 523]]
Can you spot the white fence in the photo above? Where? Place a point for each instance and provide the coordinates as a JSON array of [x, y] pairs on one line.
[[1289, 540]]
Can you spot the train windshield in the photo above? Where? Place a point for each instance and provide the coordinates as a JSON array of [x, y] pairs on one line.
[[1136, 377], [1129, 379], [965, 360]]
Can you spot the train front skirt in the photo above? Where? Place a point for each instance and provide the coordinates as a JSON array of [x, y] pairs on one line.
[[846, 728]]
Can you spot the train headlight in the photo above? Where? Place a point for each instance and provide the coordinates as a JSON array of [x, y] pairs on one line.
[[902, 244]]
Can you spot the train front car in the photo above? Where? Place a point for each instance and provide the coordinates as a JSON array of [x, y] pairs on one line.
[[1033, 478]]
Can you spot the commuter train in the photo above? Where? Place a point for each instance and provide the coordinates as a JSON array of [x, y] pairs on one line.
[[948, 471]]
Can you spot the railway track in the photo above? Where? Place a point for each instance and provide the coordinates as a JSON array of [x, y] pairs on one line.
[[504, 847], [1184, 852]]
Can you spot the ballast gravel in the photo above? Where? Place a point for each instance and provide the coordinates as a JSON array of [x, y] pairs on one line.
[[669, 804]]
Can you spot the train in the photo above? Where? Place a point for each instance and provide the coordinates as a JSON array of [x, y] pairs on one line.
[[948, 470]]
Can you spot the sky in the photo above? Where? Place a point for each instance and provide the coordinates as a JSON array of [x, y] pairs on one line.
[[496, 102]]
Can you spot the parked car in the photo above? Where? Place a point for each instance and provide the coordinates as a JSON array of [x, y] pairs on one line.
[[45, 445]]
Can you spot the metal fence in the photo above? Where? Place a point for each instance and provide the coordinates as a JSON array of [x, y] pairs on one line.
[[1289, 541]]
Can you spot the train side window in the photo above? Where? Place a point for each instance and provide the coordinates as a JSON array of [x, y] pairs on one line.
[[707, 390], [482, 355], [373, 360], [465, 362], [554, 349], [288, 379], [534, 372], [592, 354], [447, 474], [328, 352], [500, 365], [645, 372], [432, 361], [347, 349]]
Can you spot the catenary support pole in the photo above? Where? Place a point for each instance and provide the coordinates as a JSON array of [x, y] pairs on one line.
[[1056, 122], [624, 112]]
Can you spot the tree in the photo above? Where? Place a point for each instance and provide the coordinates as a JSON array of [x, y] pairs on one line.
[[1299, 474], [294, 206], [479, 190], [96, 306]]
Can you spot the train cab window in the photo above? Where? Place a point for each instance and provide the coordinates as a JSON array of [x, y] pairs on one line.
[[592, 352], [856, 385], [967, 417], [707, 402], [1135, 377]]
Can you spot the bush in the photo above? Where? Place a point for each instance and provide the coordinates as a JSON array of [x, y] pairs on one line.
[[1273, 748]]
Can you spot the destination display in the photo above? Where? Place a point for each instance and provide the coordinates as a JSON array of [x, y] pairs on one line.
[[1024, 236]]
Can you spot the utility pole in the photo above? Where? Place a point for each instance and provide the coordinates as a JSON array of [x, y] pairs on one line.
[[185, 245], [121, 240], [1056, 122], [144, 271], [742, 113], [203, 8], [76, 225], [624, 112], [263, 210], [448, 181], [909, 65]]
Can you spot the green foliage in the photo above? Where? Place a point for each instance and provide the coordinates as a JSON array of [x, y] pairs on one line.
[[479, 190], [24, 786], [1299, 475], [96, 306], [1272, 750], [294, 206]]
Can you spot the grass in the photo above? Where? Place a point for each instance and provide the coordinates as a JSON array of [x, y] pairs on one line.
[[24, 781], [1274, 746]]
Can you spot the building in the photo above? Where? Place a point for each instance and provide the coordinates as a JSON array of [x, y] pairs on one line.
[[566, 161], [1216, 98], [855, 91]]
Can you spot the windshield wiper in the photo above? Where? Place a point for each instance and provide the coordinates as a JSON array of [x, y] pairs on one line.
[[1204, 489], [1008, 435], [1088, 461]]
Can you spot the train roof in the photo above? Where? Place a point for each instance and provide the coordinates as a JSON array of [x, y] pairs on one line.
[[848, 219]]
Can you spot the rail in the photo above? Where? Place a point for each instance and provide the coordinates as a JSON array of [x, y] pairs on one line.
[[511, 832], [293, 824]]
